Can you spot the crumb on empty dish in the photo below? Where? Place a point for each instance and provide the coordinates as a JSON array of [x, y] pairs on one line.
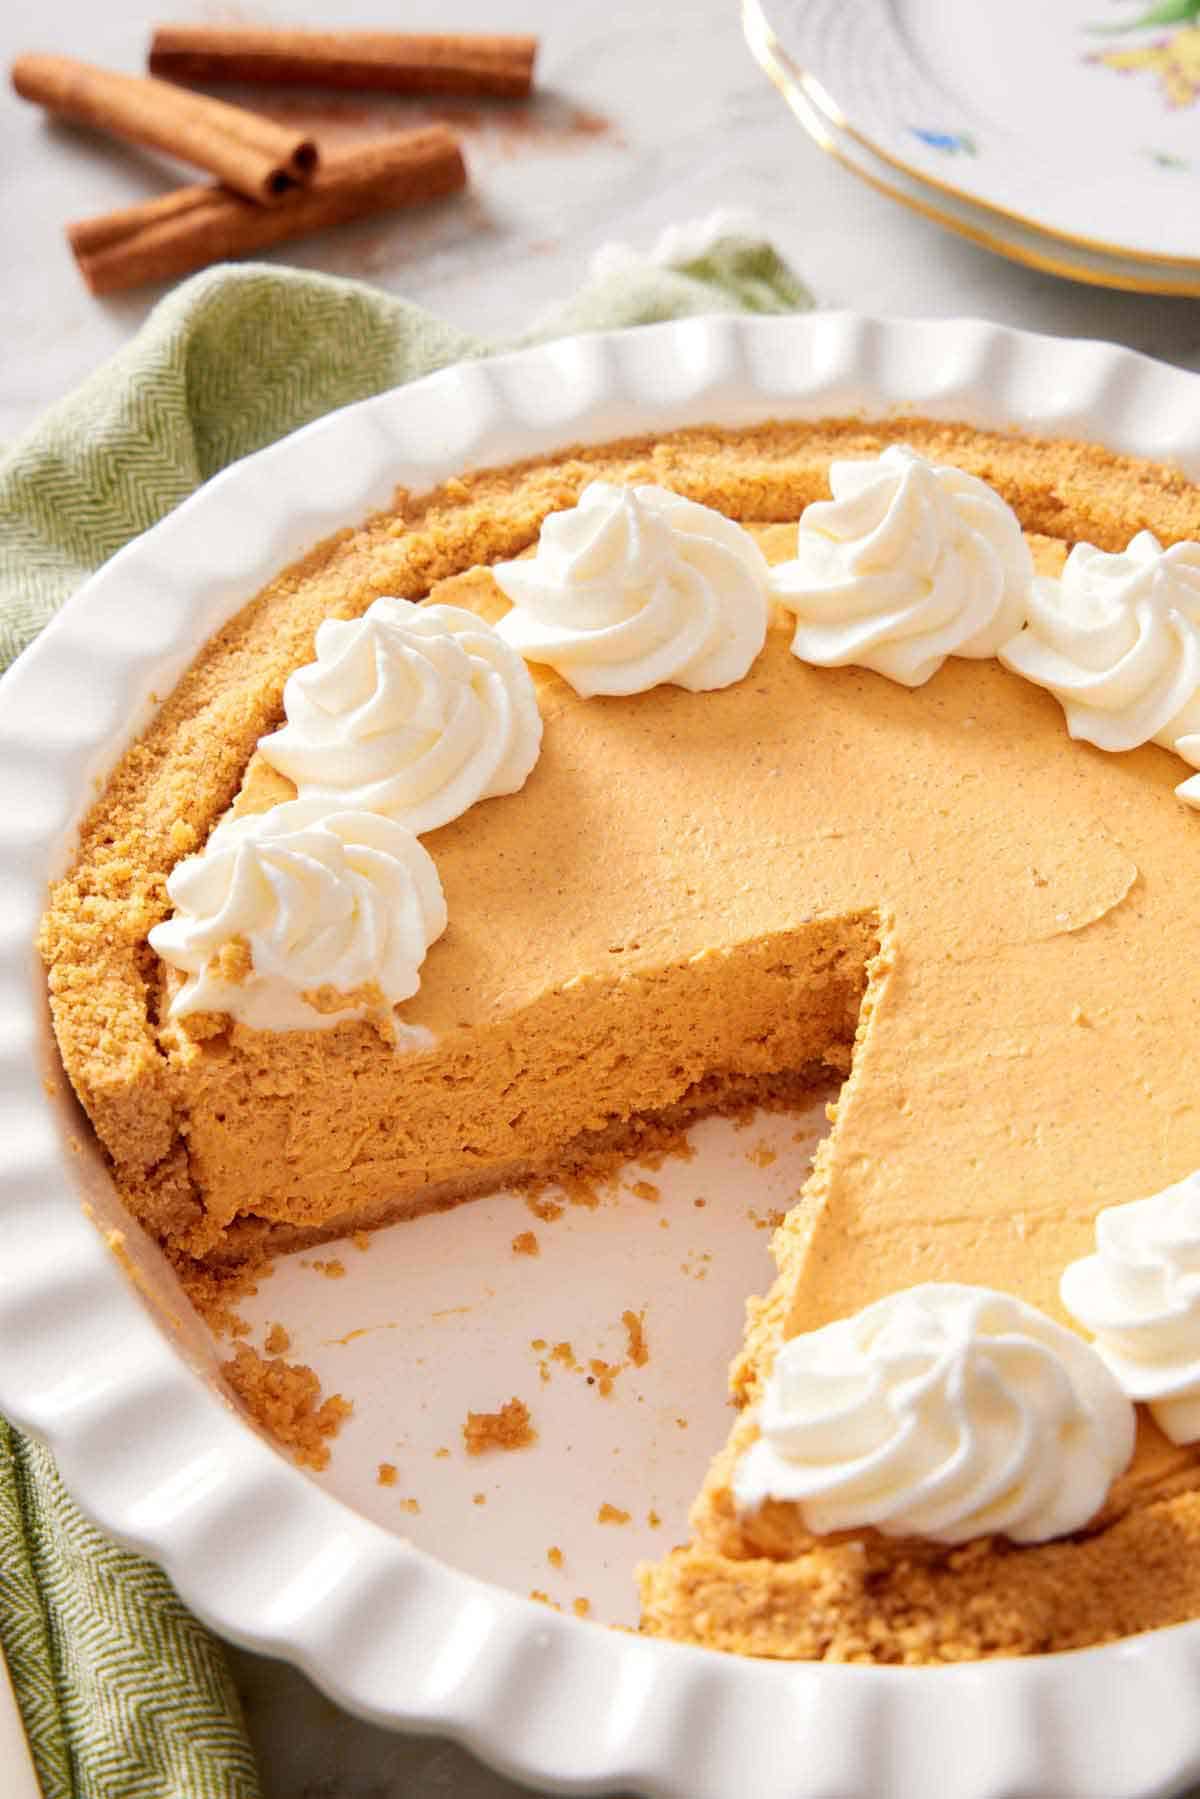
[[285, 1399], [545, 1209], [213, 1290], [637, 1349], [602, 1375], [509, 1428]]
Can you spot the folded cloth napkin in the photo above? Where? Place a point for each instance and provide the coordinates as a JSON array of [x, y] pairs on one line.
[[122, 1691]]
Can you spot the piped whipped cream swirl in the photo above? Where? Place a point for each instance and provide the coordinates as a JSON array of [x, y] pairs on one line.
[[326, 903], [413, 711], [908, 563], [945, 1412], [635, 586], [1117, 642], [1139, 1295]]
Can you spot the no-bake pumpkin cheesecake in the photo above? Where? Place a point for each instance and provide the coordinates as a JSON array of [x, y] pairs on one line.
[[708, 855]]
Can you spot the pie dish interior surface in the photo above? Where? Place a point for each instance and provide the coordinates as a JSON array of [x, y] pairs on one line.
[[1133, 1742], [699, 899]]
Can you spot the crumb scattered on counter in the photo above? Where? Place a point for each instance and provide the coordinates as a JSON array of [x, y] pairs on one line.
[[332, 1270], [386, 1474], [646, 1190], [285, 1399], [682, 1423], [411, 1505], [441, 1454], [612, 1514], [653, 1519], [699, 1204], [509, 1428], [479, 1499], [526, 1244], [581, 1607], [277, 1341], [554, 1556]]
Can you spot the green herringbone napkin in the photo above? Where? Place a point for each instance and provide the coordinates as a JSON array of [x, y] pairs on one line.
[[124, 1694]]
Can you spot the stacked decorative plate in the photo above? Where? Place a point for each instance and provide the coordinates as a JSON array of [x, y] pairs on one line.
[[1067, 137]]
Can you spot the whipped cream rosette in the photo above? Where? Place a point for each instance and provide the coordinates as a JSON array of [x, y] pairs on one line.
[[1116, 640], [320, 902], [635, 586], [942, 1411], [1139, 1295], [908, 563], [412, 711]]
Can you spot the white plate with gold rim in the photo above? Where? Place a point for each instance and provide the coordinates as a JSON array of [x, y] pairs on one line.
[[1079, 119], [1006, 235], [418, 1618]]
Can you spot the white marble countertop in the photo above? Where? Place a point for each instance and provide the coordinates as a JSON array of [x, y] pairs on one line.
[[646, 116]]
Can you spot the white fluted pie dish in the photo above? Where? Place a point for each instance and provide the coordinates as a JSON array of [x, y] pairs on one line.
[[122, 1383]]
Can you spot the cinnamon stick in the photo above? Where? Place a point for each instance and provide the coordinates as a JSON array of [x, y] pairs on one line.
[[395, 62], [194, 226], [252, 155]]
